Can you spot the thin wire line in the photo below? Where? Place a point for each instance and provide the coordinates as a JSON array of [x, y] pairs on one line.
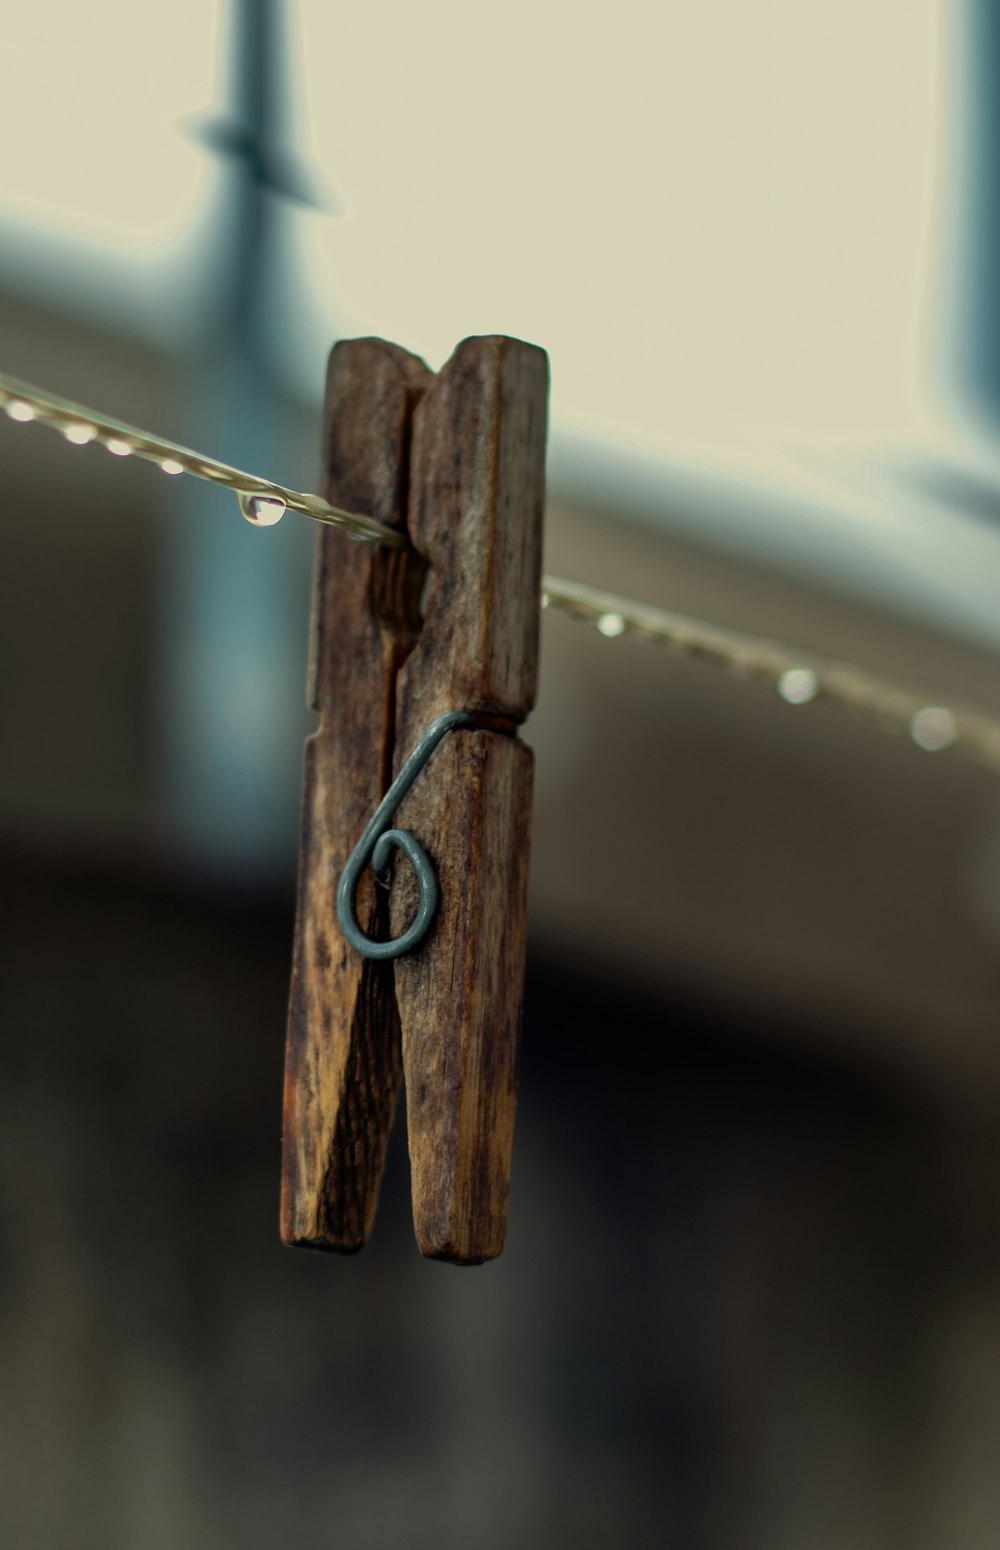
[[799, 677], [80, 425]]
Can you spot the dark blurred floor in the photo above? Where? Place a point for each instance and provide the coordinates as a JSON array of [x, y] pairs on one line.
[[717, 1325]]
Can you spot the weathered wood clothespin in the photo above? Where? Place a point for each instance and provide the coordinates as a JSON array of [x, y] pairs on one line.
[[401, 637]]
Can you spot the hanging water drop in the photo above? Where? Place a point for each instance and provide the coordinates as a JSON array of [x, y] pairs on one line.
[[798, 685], [261, 510]]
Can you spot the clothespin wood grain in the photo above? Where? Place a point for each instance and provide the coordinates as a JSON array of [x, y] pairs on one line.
[[459, 460], [343, 1064]]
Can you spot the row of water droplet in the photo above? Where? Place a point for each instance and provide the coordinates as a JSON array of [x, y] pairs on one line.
[[932, 727], [259, 510]]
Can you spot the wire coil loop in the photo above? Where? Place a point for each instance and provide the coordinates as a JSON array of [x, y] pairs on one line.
[[377, 843]]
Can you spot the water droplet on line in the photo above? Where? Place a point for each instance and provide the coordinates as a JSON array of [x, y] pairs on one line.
[[933, 728], [79, 435], [170, 465], [261, 510], [117, 447], [611, 625], [798, 685], [17, 409]]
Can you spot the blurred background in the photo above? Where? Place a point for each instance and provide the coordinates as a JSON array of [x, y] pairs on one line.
[[751, 1294]]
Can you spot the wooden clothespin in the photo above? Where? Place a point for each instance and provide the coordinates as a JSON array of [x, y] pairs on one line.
[[401, 637]]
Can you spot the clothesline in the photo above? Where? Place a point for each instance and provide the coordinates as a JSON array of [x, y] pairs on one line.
[[799, 677]]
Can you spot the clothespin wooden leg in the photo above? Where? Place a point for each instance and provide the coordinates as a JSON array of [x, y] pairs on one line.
[[460, 458], [343, 1062], [476, 505]]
